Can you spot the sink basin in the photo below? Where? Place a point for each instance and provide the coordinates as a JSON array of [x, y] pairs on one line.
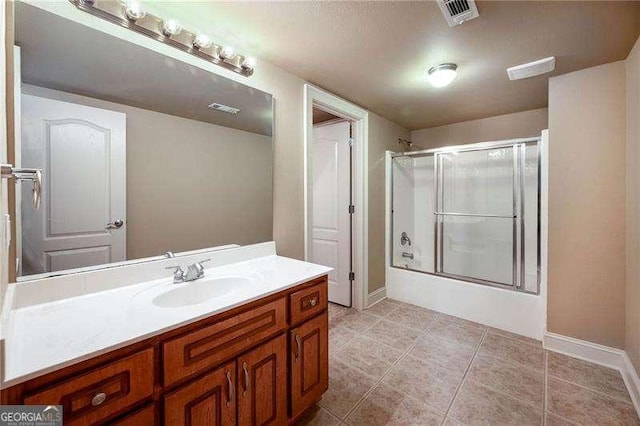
[[196, 292]]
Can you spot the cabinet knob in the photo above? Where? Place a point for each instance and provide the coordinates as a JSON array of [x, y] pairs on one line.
[[98, 399], [313, 302]]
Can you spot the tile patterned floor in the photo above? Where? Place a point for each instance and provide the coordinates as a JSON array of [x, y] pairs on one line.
[[398, 364]]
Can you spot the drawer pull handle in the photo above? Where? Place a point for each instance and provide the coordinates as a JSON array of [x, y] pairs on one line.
[[298, 347], [313, 302], [245, 374], [230, 390], [98, 399]]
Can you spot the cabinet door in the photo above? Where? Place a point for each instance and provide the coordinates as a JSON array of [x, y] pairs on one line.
[[262, 384], [209, 400], [309, 363], [144, 417]]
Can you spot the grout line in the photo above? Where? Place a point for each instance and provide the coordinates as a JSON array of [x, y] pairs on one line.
[[500, 391], [521, 341], [626, 401], [464, 376], [518, 364], [571, 422], [386, 373]]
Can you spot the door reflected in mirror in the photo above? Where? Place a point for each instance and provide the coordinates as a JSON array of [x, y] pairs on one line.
[[137, 159]]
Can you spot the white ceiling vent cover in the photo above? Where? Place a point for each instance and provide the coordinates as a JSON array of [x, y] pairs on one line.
[[224, 108], [457, 12], [532, 69]]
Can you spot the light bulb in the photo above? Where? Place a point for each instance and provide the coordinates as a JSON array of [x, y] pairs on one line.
[[133, 10], [228, 52], [443, 75], [202, 41], [171, 27], [249, 63]]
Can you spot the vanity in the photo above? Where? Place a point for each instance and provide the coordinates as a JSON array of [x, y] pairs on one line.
[[254, 354]]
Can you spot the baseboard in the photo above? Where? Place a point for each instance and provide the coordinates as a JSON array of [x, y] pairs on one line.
[[376, 296], [632, 380], [587, 351], [598, 354]]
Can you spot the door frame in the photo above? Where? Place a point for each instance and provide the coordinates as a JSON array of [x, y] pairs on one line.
[[329, 102]]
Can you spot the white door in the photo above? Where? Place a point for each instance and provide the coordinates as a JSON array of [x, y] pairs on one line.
[[82, 153], [331, 235]]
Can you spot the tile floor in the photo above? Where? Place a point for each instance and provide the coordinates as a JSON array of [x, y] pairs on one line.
[[397, 363]]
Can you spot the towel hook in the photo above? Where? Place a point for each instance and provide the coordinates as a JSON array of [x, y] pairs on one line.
[[18, 173]]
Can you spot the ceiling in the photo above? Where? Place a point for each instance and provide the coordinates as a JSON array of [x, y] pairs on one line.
[[54, 54], [376, 53]]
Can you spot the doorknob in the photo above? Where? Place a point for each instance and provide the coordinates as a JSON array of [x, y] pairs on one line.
[[115, 225]]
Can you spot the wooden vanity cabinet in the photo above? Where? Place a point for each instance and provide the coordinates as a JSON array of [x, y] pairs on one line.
[[309, 363], [146, 416], [262, 384], [209, 400], [262, 363]]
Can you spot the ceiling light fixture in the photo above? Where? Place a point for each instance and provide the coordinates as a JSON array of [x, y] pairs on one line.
[[443, 75], [171, 27], [130, 14], [133, 10]]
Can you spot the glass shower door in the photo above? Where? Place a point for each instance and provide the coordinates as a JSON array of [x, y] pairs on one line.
[[413, 188], [476, 214]]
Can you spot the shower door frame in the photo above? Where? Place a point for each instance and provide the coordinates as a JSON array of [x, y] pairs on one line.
[[519, 151]]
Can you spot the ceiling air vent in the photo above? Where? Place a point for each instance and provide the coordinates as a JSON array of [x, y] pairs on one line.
[[224, 108], [457, 12]]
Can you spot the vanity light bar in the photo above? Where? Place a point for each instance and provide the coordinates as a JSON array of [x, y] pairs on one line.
[[131, 15]]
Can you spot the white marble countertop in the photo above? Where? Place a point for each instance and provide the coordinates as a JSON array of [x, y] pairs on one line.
[[44, 337]]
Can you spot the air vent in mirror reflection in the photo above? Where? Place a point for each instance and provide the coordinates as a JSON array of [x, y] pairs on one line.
[[224, 108]]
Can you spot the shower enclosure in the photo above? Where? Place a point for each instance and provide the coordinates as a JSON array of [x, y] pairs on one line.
[[470, 213]]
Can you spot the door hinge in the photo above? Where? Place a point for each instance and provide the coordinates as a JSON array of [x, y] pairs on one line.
[[351, 141], [352, 209], [352, 276]]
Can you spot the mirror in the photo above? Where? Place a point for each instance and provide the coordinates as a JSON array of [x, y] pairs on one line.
[[139, 156]]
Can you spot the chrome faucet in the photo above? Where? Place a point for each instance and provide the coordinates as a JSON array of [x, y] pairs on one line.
[[194, 271]]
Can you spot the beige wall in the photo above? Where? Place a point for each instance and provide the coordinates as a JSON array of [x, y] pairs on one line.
[[210, 181], [586, 295], [383, 136], [508, 126], [288, 190], [632, 322]]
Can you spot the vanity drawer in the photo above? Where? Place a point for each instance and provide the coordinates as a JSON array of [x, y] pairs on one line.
[[100, 393], [308, 302], [204, 348]]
